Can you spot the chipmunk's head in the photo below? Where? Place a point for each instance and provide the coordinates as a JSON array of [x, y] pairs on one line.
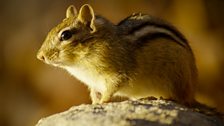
[[70, 40]]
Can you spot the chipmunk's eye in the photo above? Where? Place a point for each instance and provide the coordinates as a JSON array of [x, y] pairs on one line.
[[65, 35]]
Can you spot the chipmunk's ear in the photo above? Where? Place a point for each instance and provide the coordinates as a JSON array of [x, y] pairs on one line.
[[86, 16], [71, 11]]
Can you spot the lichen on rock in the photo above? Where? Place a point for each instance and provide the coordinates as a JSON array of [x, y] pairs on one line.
[[144, 112]]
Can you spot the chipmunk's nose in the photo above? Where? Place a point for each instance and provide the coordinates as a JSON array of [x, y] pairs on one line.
[[41, 56]]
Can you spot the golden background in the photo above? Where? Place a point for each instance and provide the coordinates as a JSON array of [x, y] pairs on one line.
[[29, 89]]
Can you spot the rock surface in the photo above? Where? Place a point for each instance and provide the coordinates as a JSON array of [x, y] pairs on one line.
[[143, 112]]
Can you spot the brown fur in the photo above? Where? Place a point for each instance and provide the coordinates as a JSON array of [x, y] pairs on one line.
[[113, 62]]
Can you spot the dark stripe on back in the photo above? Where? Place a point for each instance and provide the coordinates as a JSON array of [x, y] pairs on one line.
[[152, 36], [163, 26], [130, 26]]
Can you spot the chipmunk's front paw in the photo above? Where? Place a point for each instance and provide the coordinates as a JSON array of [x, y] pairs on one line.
[[95, 96], [95, 102]]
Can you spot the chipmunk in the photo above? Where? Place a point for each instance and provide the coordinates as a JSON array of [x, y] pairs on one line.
[[139, 57]]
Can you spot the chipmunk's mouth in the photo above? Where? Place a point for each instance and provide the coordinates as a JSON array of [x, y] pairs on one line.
[[53, 62], [50, 61]]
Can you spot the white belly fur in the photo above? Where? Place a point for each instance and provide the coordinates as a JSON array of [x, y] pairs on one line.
[[91, 78]]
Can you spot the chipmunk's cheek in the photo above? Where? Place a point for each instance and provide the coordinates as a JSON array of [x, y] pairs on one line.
[[62, 59]]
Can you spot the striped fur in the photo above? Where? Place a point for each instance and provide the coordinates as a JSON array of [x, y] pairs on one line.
[[141, 26]]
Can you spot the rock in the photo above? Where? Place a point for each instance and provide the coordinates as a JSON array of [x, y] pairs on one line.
[[142, 112]]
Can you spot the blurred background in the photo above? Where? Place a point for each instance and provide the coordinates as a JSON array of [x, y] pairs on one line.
[[29, 89]]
